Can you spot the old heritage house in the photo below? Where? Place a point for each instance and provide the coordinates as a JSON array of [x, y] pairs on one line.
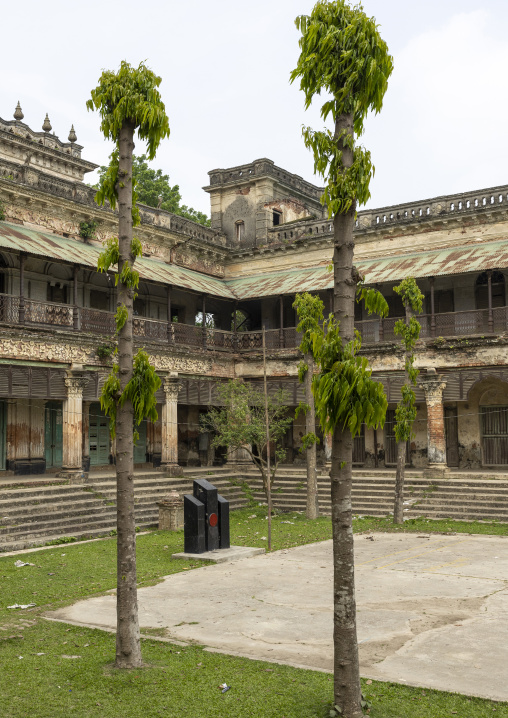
[[205, 294]]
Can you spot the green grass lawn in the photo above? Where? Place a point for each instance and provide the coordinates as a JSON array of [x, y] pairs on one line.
[[67, 671]]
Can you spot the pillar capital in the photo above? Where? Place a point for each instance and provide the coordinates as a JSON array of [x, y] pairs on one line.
[[433, 386], [171, 386], [75, 385]]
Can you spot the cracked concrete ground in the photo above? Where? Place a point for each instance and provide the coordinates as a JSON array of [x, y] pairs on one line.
[[432, 610]]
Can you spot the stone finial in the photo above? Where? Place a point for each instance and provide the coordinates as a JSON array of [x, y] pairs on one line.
[[18, 112], [72, 135], [46, 126]]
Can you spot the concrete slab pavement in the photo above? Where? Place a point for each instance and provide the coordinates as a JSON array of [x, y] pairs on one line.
[[432, 610]]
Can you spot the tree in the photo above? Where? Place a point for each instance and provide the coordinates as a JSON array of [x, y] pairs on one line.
[[127, 100], [239, 423], [343, 56], [310, 314], [405, 414], [154, 189]]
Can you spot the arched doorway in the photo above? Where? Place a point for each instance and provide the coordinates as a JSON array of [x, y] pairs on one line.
[[488, 400]]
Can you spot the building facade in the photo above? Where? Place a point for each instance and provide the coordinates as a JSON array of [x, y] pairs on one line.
[[205, 295]]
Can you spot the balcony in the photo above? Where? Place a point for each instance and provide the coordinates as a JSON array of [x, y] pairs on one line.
[[34, 314]]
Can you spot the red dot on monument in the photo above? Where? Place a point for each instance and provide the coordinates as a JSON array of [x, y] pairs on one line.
[[213, 519]]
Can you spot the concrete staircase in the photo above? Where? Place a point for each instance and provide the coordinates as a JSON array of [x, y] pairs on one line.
[[41, 509], [35, 514]]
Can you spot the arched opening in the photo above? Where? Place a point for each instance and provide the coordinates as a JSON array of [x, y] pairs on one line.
[[239, 230]]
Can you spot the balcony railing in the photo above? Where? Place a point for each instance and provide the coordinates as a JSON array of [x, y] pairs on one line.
[[32, 313]]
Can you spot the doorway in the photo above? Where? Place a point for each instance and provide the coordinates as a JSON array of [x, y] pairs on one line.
[[494, 425], [53, 434], [451, 435], [391, 442], [140, 445], [98, 436]]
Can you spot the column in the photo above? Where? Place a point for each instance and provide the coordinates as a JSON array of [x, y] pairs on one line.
[[72, 458], [86, 437], [169, 456], [433, 386]]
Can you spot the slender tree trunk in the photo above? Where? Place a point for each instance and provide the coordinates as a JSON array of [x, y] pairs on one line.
[[347, 690], [310, 426], [398, 508], [128, 649]]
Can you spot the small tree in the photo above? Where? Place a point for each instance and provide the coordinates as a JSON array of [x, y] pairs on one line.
[[310, 314], [239, 423], [343, 56], [127, 100], [405, 414]]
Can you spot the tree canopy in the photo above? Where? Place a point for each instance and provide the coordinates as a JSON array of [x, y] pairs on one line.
[[152, 187]]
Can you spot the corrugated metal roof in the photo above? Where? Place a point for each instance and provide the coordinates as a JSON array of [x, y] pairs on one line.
[[19, 238], [474, 257], [433, 263]]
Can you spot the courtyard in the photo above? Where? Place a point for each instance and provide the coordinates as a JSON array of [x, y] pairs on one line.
[[431, 609]]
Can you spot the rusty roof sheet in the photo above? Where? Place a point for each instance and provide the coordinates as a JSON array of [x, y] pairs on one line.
[[19, 238], [432, 263]]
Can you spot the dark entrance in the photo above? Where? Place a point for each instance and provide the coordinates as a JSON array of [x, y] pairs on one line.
[[3, 434], [494, 423], [359, 447], [140, 445], [452, 436], [390, 442], [98, 436], [53, 434]]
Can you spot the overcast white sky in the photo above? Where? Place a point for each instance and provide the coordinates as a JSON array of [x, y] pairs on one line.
[[225, 66]]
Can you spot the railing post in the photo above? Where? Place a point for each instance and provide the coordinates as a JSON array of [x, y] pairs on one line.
[[432, 310], [281, 321], [170, 318], [21, 315], [235, 326], [75, 308], [489, 290], [381, 329], [204, 321]]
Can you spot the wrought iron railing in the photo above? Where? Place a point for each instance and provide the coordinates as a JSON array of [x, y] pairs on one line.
[[17, 310]]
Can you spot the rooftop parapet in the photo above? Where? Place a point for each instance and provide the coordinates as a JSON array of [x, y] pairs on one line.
[[45, 151]]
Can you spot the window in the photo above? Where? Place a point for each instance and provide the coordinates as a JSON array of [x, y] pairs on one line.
[[277, 218], [240, 230], [498, 290]]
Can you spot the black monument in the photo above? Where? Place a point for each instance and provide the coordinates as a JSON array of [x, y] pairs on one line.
[[206, 519]]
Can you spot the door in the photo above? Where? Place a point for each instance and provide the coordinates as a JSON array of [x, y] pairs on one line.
[[494, 423], [359, 447], [98, 436], [3, 434], [390, 442], [140, 445], [53, 434], [452, 436]]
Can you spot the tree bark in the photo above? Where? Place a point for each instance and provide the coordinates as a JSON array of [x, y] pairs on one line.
[[398, 507], [347, 690], [312, 511], [128, 649]]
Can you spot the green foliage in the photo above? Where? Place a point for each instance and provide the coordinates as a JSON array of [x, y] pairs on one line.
[[343, 56], [110, 256], [131, 96], [140, 391], [107, 190], [344, 392], [410, 294], [302, 408], [121, 316], [154, 189], [87, 229], [239, 423], [2, 212], [309, 440], [309, 309], [373, 300], [104, 351], [409, 331]]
